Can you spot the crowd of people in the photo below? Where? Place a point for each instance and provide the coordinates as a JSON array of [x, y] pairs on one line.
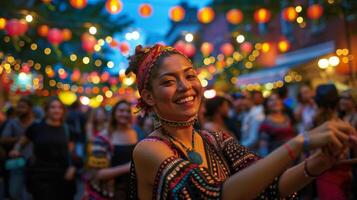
[[190, 147]]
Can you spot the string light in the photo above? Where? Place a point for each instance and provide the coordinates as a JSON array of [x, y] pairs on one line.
[[110, 64], [93, 30], [73, 57], [29, 18], [85, 60], [47, 51]]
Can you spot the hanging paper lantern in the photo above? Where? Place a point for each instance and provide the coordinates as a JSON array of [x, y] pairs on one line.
[[177, 13], [114, 43], [46, 1], [124, 47], [283, 45], [54, 36], [289, 14], [78, 4], [114, 6], [104, 77], [180, 46], [67, 97], [246, 47], [205, 15], [227, 49], [234, 16], [145, 10], [76, 75], [66, 34], [190, 50], [262, 15], [206, 48], [315, 11], [15, 27], [2, 23], [88, 42], [42, 30]]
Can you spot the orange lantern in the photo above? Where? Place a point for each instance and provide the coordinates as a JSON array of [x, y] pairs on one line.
[[206, 48], [46, 1], [234, 16], [114, 6], [177, 13], [66, 34], [205, 15], [42, 30], [289, 14], [79, 4], [227, 49], [2, 23], [262, 15], [283, 45], [145, 10], [315, 11]]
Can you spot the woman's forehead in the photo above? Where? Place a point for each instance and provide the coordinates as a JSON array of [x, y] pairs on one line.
[[174, 64]]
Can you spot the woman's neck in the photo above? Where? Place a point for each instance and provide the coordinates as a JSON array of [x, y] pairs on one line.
[[183, 134], [53, 122]]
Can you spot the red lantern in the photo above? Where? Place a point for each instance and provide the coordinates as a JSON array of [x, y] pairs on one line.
[[114, 6], [205, 15], [66, 34], [262, 15], [2, 23], [42, 30], [206, 48], [79, 4], [55, 36], [315, 11], [76, 75], [104, 77], [283, 45], [190, 50], [145, 10], [234, 16], [88, 42], [246, 47], [15, 27], [227, 49], [177, 13], [124, 47], [289, 14], [180, 46], [114, 43]]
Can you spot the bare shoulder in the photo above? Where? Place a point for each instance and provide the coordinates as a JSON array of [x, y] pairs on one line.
[[148, 156]]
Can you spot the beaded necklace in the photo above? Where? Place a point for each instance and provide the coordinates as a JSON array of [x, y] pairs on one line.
[[193, 156]]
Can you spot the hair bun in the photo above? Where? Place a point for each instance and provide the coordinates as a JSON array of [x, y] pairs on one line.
[[138, 49]]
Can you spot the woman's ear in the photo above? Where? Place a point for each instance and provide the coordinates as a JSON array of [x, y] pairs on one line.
[[148, 97]]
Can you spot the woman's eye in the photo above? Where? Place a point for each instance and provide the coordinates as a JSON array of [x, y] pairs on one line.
[[191, 76], [167, 82]]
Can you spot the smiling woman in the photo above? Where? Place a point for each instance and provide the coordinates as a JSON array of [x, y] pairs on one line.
[[178, 162]]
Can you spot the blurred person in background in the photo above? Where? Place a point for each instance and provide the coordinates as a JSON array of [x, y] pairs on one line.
[[240, 109], [96, 123], [288, 102], [143, 126], [306, 109], [276, 128], [11, 134], [217, 110], [52, 167], [115, 146], [252, 120], [336, 182]]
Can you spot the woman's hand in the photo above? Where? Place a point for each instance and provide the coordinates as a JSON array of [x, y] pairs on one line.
[[71, 171]]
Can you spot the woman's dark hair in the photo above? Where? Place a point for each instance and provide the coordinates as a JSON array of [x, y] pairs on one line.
[[266, 100], [326, 99], [27, 101], [92, 116], [135, 60], [299, 95], [48, 103], [113, 122], [212, 106]]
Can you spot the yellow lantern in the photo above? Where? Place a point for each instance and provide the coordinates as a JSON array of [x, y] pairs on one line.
[[2, 23], [234, 16], [114, 6], [283, 45], [262, 15], [177, 13], [205, 15], [145, 10], [79, 4], [67, 97]]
